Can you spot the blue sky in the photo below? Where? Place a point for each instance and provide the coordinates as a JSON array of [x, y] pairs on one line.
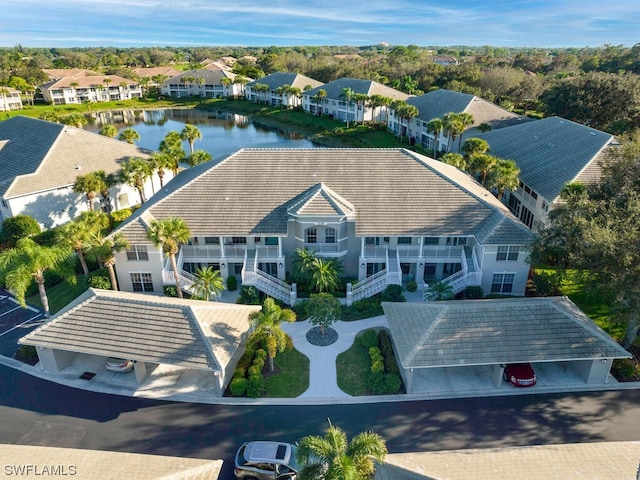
[[124, 23]]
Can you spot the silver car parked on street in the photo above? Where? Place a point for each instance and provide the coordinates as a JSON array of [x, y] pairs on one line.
[[266, 461]]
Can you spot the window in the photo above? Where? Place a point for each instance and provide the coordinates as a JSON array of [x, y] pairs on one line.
[[239, 240], [404, 240], [545, 206], [141, 282], [508, 253], [137, 252], [456, 241], [271, 240], [212, 240], [330, 235], [431, 240], [502, 282], [526, 217], [312, 235]]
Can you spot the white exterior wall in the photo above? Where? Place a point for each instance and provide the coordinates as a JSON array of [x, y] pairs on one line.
[[54, 360], [594, 372], [153, 266], [489, 265]]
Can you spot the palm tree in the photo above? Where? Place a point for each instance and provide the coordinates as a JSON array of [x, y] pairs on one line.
[[266, 328], [105, 249], [190, 133], [435, 128], [169, 234], [108, 131], [208, 283], [475, 146], [404, 111], [319, 98], [129, 135], [88, 184], [361, 100], [453, 126], [74, 236], [135, 173], [303, 263], [456, 160], [347, 94], [75, 120], [198, 157], [161, 162], [325, 275], [480, 165], [172, 146], [438, 291], [28, 262], [106, 181], [333, 457], [503, 176], [466, 120]]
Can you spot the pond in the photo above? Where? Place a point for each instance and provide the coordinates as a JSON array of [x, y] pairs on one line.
[[222, 132]]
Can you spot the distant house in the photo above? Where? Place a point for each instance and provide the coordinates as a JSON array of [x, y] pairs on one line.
[[550, 153], [277, 93], [335, 105], [58, 73], [86, 88], [445, 60], [40, 161], [209, 64], [438, 103], [154, 76], [9, 99], [203, 84]]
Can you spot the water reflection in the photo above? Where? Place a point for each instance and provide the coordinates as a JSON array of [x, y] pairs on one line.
[[222, 132]]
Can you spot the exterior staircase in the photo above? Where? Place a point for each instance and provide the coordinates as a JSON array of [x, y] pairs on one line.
[[268, 284]]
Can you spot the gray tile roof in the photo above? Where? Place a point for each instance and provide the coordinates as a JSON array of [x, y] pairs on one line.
[[550, 152], [41, 155], [368, 87], [143, 327], [486, 332], [321, 200], [392, 191], [211, 77], [280, 79]]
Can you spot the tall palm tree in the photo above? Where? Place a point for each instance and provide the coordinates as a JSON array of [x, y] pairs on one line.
[[266, 328], [135, 172], [466, 120], [325, 275], [190, 133], [28, 262], [405, 112], [74, 236], [108, 130], [129, 135], [198, 157], [503, 176], [361, 100], [456, 160], [347, 94], [169, 234], [333, 457], [435, 128], [88, 184], [172, 146], [105, 249], [208, 283], [161, 162], [475, 146], [303, 263], [453, 126], [319, 98], [480, 165]]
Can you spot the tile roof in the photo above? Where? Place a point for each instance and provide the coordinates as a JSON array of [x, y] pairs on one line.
[[211, 77], [550, 152], [280, 79], [487, 332], [392, 191], [84, 81], [321, 200], [152, 71], [41, 155], [368, 87], [55, 73], [148, 328]]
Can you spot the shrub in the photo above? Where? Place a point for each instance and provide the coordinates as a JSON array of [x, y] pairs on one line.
[[260, 357], [473, 292], [249, 295], [254, 371], [254, 386], [624, 369], [368, 339], [232, 283], [238, 386], [100, 279], [20, 226], [386, 348], [412, 286], [393, 383], [47, 238], [547, 284], [376, 383], [170, 290], [377, 366], [121, 215], [393, 293]]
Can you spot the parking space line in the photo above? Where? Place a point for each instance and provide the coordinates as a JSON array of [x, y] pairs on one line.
[[29, 307], [9, 311], [18, 326]]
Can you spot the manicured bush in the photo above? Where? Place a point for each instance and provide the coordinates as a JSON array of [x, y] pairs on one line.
[[20, 226], [238, 386], [232, 283], [377, 366], [393, 383], [393, 293], [386, 348], [412, 286], [47, 238], [376, 383], [368, 339], [255, 386], [473, 292], [100, 279], [249, 295], [625, 369], [121, 215]]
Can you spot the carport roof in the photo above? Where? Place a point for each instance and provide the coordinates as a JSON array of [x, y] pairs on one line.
[[147, 328], [487, 332]]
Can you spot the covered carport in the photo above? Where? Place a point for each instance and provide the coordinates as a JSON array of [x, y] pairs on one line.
[[151, 330], [465, 344]]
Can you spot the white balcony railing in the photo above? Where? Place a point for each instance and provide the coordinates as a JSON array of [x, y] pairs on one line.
[[268, 251], [235, 251], [442, 253], [201, 251], [375, 251], [408, 251]]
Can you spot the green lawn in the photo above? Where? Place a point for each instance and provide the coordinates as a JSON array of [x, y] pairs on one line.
[[293, 378], [352, 367], [60, 295]]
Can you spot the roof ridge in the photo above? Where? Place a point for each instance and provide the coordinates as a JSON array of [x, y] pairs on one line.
[[426, 334]]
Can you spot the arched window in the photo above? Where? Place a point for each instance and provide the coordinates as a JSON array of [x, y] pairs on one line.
[[330, 235], [312, 235]]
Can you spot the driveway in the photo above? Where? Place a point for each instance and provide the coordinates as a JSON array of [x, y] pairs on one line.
[[15, 322]]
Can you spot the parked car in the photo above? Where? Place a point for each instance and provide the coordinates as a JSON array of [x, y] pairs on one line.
[[520, 375], [119, 365], [266, 461]]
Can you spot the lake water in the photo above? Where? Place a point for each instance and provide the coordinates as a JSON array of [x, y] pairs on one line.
[[222, 133]]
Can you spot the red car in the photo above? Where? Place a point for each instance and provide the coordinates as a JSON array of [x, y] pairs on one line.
[[520, 375]]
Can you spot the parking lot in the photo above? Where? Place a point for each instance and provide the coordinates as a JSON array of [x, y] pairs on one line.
[[15, 322]]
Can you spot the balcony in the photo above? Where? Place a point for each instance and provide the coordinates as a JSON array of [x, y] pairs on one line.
[[438, 254], [204, 252], [326, 249], [372, 252], [266, 252]]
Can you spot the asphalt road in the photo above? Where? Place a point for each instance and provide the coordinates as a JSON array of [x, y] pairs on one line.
[[38, 412]]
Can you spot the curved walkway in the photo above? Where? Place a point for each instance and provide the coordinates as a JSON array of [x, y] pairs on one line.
[[322, 370]]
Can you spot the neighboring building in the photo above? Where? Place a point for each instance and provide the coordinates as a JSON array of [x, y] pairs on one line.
[[9, 99], [40, 161], [388, 215], [480, 337], [208, 64], [444, 60], [150, 330], [80, 89], [202, 83], [278, 93], [437, 104], [154, 76], [550, 153], [335, 105], [58, 73]]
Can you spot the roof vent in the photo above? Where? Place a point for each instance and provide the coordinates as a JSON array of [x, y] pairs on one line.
[[592, 133], [77, 167]]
